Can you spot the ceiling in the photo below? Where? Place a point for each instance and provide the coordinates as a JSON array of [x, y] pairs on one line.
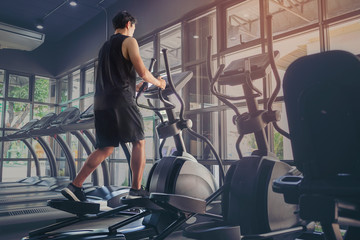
[[60, 18]]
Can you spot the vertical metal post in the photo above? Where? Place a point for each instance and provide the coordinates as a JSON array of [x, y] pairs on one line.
[[323, 29]]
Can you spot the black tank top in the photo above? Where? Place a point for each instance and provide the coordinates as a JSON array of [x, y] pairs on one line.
[[115, 83]]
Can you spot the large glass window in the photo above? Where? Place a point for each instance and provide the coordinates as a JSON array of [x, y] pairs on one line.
[[2, 82], [17, 114], [242, 23], [18, 86], [170, 39], [197, 31], [45, 90], [197, 93]]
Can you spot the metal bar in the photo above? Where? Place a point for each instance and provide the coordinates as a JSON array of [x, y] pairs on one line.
[[127, 221], [36, 160]]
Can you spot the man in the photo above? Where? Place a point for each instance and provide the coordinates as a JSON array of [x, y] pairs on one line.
[[117, 118]]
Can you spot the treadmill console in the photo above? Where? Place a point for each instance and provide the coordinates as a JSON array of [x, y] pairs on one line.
[[88, 113], [69, 115], [45, 121]]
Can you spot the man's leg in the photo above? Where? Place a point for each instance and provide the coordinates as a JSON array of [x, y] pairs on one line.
[[91, 163], [137, 163]]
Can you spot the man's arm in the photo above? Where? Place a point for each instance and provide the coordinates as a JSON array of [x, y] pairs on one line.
[[132, 49]]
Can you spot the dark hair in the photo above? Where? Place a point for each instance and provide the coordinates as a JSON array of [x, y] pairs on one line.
[[121, 19]]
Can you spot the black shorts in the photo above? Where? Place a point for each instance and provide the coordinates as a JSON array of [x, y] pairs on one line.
[[121, 125]]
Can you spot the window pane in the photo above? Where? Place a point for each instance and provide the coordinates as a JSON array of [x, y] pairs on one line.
[[89, 80], [1, 110], [197, 31], [64, 89], [74, 146], [293, 48], [207, 125], [119, 173], [237, 90], [198, 87], [75, 84], [18, 86], [345, 36], [243, 24], [194, 87], [44, 168], [45, 90], [289, 15], [76, 104], [17, 114], [40, 153], [14, 170], [170, 39], [146, 53], [338, 7], [41, 110], [248, 143], [169, 147], [282, 145], [2, 85], [88, 101], [15, 149]]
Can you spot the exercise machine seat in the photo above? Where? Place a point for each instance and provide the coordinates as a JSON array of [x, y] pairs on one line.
[[321, 94]]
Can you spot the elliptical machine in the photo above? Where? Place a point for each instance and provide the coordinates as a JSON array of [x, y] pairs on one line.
[[251, 210], [178, 183]]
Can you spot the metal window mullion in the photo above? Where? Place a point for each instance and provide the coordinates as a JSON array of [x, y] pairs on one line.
[[322, 26]]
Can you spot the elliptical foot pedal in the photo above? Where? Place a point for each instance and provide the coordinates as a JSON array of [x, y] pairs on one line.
[[78, 208], [213, 230], [142, 203]]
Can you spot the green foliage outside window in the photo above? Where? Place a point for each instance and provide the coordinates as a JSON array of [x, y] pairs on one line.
[[19, 91], [279, 146]]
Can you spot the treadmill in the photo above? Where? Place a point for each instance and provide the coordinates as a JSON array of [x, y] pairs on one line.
[[24, 206], [43, 184], [17, 136]]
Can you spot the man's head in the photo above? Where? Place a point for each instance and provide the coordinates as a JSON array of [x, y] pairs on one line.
[[123, 20]]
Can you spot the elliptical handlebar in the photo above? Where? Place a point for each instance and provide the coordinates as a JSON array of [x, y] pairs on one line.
[[168, 105], [181, 116], [213, 80], [275, 72], [172, 86]]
